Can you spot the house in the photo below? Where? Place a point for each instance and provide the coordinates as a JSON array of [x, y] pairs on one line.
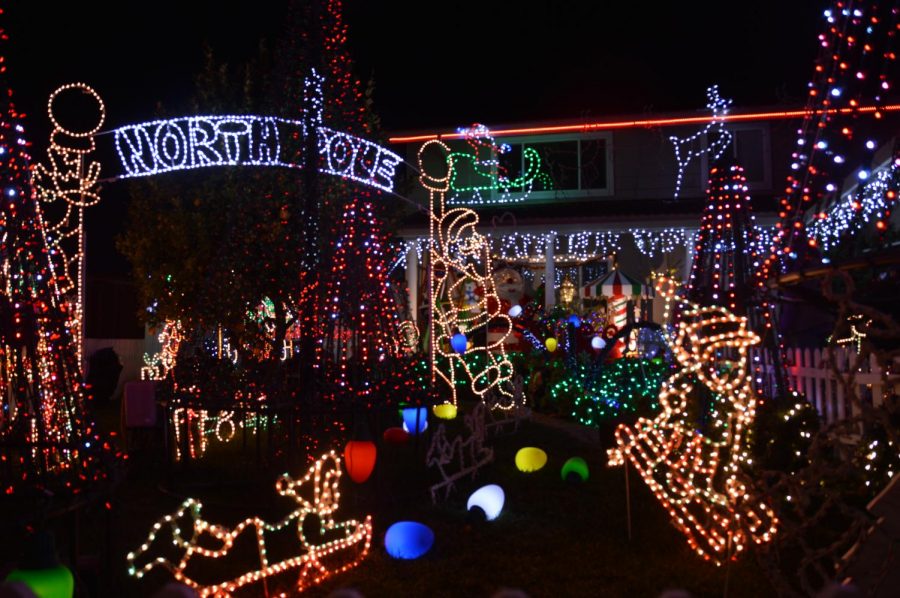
[[604, 190]]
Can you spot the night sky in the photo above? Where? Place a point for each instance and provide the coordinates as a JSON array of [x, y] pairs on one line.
[[436, 65]]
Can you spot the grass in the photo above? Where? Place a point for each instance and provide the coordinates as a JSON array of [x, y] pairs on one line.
[[553, 538]]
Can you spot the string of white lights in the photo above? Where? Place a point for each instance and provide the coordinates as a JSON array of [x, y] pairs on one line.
[[159, 146], [651, 243], [855, 211]]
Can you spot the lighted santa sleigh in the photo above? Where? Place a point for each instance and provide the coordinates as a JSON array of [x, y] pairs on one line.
[[201, 543]]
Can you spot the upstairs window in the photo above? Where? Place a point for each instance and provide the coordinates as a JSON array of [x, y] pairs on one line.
[[565, 168]]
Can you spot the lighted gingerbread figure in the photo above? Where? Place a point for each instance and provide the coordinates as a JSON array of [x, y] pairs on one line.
[[311, 563], [695, 473], [460, 259]]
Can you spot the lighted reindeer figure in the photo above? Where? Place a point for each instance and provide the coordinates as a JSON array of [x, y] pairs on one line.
[[695, 473], [353, 536]]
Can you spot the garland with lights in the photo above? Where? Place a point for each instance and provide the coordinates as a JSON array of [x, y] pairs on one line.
[[696, 473], [850, 216], [206, 541]]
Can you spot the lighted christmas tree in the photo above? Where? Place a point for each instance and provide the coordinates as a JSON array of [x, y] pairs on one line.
[[47, 441], [727, 259], [846, 123], [360, 353], [725, 262]]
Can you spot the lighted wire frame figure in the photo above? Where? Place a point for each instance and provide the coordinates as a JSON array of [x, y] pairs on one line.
[[455, 251], [317, 495], [69, 176], [684, 148], [695, 474]]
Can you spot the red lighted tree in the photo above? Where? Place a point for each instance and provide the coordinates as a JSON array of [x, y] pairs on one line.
[[359, 351], [47, 441], [727, 259]]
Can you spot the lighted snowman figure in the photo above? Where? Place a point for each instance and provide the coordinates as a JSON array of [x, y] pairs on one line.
[[696, 473]]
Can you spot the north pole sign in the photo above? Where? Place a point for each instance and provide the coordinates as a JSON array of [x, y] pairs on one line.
[[192, 142]]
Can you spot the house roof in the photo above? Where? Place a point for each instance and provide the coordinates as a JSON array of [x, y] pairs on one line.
[[635, 121]]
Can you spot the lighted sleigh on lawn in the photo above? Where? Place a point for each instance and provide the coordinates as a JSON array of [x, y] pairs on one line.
[[203, 542]]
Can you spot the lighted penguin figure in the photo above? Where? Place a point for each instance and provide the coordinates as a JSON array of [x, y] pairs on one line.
[[696, 474]]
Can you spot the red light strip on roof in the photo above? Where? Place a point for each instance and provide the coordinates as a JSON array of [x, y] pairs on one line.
[[653, 122]]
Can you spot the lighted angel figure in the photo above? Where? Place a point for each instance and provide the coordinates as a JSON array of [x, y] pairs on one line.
[[199, 542], [695, 473], [460, 256]]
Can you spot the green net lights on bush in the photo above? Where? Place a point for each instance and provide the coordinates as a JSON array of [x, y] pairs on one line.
[[530, 459], [575, 469]]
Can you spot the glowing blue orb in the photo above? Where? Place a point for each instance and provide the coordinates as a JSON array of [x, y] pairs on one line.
[[574, 320], [598, 343], [408, 540], [415, 420], [489, 498], [515, 311], [459, 342]]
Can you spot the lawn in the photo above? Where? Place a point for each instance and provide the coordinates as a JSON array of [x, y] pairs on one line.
[[553, 538]]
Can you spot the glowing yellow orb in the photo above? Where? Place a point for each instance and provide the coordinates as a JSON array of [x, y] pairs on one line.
[[445, 411], [530, 459]]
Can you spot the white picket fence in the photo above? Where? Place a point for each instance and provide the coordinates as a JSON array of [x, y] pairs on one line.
[[809, 372]]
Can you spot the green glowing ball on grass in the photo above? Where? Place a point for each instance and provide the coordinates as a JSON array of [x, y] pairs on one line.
[[575, 468], [56, 582]]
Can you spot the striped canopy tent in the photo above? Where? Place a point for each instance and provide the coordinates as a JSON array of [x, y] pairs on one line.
[[616, 284]]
